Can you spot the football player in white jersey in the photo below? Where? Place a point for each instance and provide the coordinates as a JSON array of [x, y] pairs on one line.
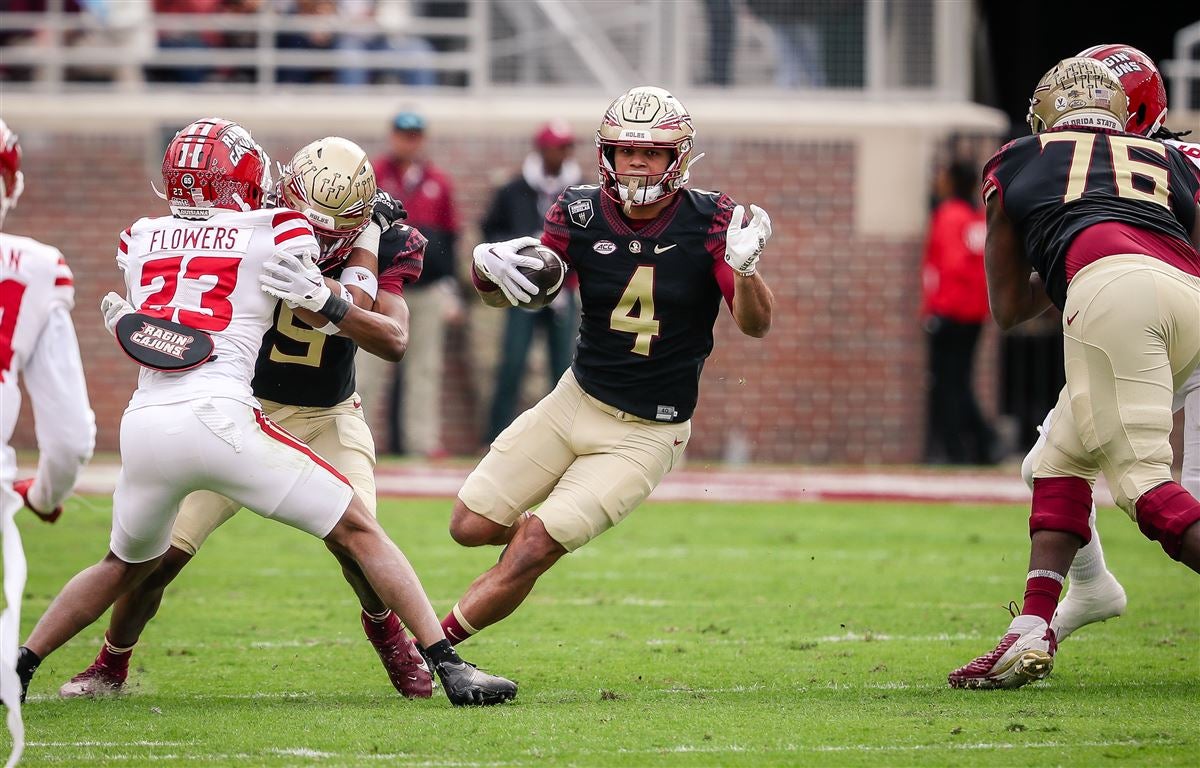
[[215, 269], [305, 383], [37, 344], [1093, 593]]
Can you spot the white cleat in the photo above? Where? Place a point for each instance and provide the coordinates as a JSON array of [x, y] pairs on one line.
[[1023, 655], [1097, 600]]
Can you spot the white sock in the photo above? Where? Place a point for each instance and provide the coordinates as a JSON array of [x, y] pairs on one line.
[[1088, 564]]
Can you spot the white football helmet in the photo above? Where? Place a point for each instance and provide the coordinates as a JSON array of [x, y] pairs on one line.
[[12, 181], [645, 116]]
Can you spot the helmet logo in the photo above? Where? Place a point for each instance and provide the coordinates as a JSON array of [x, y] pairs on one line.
[[188, 180], [642, 107]]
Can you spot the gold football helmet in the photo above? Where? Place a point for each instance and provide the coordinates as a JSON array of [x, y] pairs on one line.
[[1081, 92], [645, 116], [332, 183]]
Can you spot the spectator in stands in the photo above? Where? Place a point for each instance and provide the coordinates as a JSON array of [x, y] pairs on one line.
[[178, 39], [519, 208], [435, 299], [323, 39], [954, 307], [799, 39], [394, 17]]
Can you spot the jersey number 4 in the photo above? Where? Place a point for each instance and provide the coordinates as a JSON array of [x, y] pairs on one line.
[[634, 312], [214, 312], [1124, 166]]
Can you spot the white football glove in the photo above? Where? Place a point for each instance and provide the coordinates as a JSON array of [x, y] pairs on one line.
[[743, 245], [499, 263], [114, 308], [294, 280]]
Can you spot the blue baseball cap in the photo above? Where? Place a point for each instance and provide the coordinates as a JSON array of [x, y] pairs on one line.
[[408, 121]]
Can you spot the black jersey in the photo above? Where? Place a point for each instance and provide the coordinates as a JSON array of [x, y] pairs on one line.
[[298, 365], [649, 296], [1058, 183]]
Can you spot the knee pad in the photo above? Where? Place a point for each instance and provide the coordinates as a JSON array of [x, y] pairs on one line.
[[1164, 513], [1062, 504]]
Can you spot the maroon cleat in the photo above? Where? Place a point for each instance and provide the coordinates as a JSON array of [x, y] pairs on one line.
[[100, 679], [403, 662]]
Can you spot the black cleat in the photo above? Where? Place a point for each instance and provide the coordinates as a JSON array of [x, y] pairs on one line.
[[467, 685]]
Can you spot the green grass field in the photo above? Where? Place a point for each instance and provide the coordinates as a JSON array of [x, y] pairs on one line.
[[695, 634]]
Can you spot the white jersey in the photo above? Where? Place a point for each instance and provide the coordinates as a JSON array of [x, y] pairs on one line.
[[204, 274], [38, 344]]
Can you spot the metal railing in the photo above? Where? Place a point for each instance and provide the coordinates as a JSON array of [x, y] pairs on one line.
[[870, 49]]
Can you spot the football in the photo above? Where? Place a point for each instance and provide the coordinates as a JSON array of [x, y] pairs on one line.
[[548, 277]]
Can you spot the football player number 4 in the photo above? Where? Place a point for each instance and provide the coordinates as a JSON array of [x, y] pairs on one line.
[[634, 312], [1125, 167], [11, 293], [214, 312]]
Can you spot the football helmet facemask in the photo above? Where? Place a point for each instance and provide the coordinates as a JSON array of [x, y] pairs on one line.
[[12, 181], [645, 116], [1142, 83], [214, 164], [1078, 92], [332, 183]]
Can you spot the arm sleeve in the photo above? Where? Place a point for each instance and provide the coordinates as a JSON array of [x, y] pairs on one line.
[[65, 424], [402, 256], [554, 230], [715, 244]]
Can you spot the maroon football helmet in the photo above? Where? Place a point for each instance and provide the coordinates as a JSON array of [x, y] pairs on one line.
[[1142, 83], [12, 181], [215, 164]]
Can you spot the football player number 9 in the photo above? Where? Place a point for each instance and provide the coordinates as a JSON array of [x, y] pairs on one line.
[[634, 312], [1124, 166], [314, 341]]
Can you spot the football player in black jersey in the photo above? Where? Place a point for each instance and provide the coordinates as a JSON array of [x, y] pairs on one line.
[[654, 260], [1104, 225], [304, 379]]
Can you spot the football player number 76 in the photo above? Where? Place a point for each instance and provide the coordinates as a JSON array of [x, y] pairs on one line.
[[1124, 166], [214, 312], [634, 312]]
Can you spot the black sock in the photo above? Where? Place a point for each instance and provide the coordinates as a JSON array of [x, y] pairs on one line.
[[442, 652], [27, 664]]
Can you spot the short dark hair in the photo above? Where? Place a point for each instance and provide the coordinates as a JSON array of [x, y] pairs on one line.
[[964, 179]]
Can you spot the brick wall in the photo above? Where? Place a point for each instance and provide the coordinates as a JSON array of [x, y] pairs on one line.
[[839, 379]]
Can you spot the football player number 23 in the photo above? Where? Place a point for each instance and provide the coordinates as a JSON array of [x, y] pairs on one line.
[[1124, 166], [634, 312], [215, 311]]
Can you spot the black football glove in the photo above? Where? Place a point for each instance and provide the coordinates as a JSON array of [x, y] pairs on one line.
[[388, 210]]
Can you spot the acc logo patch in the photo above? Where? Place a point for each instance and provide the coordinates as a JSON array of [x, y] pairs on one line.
[[581, 212], [635, 246], [604, 247]]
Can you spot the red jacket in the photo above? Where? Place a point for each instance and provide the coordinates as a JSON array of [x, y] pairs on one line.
[[953, 281]]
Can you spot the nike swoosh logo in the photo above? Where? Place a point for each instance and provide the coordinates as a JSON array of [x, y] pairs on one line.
[[678, 442], [663, 249], [1071, 319]]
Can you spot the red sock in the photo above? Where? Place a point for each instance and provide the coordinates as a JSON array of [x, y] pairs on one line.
[[112, 656], [454, 629], [1042, 589], [382, 629]]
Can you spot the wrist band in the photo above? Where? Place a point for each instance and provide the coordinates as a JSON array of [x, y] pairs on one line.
[[335, 308], [361, 278]]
